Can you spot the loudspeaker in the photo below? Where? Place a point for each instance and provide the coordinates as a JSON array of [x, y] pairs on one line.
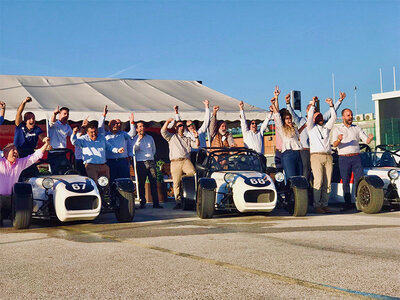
[[296, 100]]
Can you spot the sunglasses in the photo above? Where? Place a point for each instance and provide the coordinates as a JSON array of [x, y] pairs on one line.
[[253, 123], [180, 125], [191, 124]]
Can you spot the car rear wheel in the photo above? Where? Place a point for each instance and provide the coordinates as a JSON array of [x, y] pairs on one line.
[[300, 202], [205, 205], [125, 210], [369, 199]]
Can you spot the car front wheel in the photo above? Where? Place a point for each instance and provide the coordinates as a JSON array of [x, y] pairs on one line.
[[125, 206], [369, 199], [205, 205]]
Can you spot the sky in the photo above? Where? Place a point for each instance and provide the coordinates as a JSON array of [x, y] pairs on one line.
[[240, 48]]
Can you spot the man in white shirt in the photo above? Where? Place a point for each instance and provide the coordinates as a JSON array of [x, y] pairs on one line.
[[253, 138], [321, 154], [144, 149], [346, 138], [301, 122], [58, 132]]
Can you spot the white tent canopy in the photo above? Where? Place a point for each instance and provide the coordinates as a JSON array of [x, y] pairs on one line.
[[150, 100]]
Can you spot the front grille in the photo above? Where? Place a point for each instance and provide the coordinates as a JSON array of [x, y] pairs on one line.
[[81, 202], [259, 196]]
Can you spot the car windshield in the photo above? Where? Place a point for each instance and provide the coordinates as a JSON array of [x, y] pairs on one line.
[[236, 162], [377, 159]]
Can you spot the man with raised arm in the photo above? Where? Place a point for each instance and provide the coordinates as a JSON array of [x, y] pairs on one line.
[[321, 154], [301, 123], [253, 138], [94, 146], [59, 129], [219, 134], [346, 138], [117, 162], [179, 155], [27, 133], [191, 127], [144, 148], [2, 112], [11, 167]]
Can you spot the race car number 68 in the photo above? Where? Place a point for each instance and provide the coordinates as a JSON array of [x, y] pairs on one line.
[[257, 181]]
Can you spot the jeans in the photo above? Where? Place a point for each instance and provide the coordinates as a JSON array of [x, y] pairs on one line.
[[278, 159], [146, 169], [348, 164], [292, 164], [305, 159]]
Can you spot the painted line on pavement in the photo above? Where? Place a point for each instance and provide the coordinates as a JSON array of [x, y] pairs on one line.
[[270, 275]]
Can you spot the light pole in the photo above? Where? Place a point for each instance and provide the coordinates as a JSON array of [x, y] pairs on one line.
[[355, 98]]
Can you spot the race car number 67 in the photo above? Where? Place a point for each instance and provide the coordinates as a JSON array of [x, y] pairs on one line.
[[78, 186], [257, 181]]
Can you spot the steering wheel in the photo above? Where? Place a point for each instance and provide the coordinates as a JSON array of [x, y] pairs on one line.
[[71, 172]]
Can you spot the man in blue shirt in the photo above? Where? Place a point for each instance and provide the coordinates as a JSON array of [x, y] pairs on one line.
[[117, 162], [144, 148], [27, 133], [2, 111], [94, 146]]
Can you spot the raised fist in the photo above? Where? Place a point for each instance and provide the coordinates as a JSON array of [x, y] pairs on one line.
[[241, 105], [342, 95], [206, 103], [287, 98]]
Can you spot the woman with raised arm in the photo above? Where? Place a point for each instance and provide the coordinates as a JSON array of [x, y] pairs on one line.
[[291, 145]]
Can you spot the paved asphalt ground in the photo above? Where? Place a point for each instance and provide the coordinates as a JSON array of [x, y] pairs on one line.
[[168, 254]]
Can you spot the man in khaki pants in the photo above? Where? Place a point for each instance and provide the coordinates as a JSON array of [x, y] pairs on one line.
[[321, 154], [179, 154]]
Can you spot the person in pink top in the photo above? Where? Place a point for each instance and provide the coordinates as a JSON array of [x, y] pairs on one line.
[[11, 165]]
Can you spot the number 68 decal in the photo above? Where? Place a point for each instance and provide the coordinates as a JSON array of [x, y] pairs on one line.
[[257, 181]]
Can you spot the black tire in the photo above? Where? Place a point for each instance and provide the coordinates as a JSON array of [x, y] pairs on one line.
[[22, 210], [205, 205], [300, 197], [369, 199], [187, 204], [125, 206]]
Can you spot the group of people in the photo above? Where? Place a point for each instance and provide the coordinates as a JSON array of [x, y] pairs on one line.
[[302, 145]]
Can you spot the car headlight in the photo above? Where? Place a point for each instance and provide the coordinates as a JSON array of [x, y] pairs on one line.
[[279, 177], [102, 181], [47, 183], [229, 177], [393, 174]]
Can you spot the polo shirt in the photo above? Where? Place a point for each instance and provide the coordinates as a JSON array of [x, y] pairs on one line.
[[26, 140], [58, 133]]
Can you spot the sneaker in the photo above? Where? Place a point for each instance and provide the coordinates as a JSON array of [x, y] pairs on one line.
[[327, 209], [157, 206], [319, 210], [178, 206]]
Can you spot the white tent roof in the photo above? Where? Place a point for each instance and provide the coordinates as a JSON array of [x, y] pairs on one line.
[[150, 100]]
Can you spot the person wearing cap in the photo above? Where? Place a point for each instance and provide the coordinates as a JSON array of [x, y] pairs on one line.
[[94, 146], [144, 149], [301, 123], [179, 155], [190, 126], [321, 154], [253, 138], [2, 111], [219, 134], [117, 162], [346, 138]]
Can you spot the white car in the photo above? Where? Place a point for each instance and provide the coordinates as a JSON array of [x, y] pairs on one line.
[[378, 187], [233, 179], [67, 196]]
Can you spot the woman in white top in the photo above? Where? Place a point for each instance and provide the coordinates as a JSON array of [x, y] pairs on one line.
[[291, 145]]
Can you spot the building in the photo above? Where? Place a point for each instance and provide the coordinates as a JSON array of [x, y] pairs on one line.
[[387, 113]]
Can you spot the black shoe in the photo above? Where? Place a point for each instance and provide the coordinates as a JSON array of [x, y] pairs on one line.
[[142, 206], [157, 206], [178, 206]]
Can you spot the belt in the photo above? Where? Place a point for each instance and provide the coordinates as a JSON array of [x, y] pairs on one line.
[[179, 159], [351, 154], [116, 159], [323, 153], [307, 149]]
